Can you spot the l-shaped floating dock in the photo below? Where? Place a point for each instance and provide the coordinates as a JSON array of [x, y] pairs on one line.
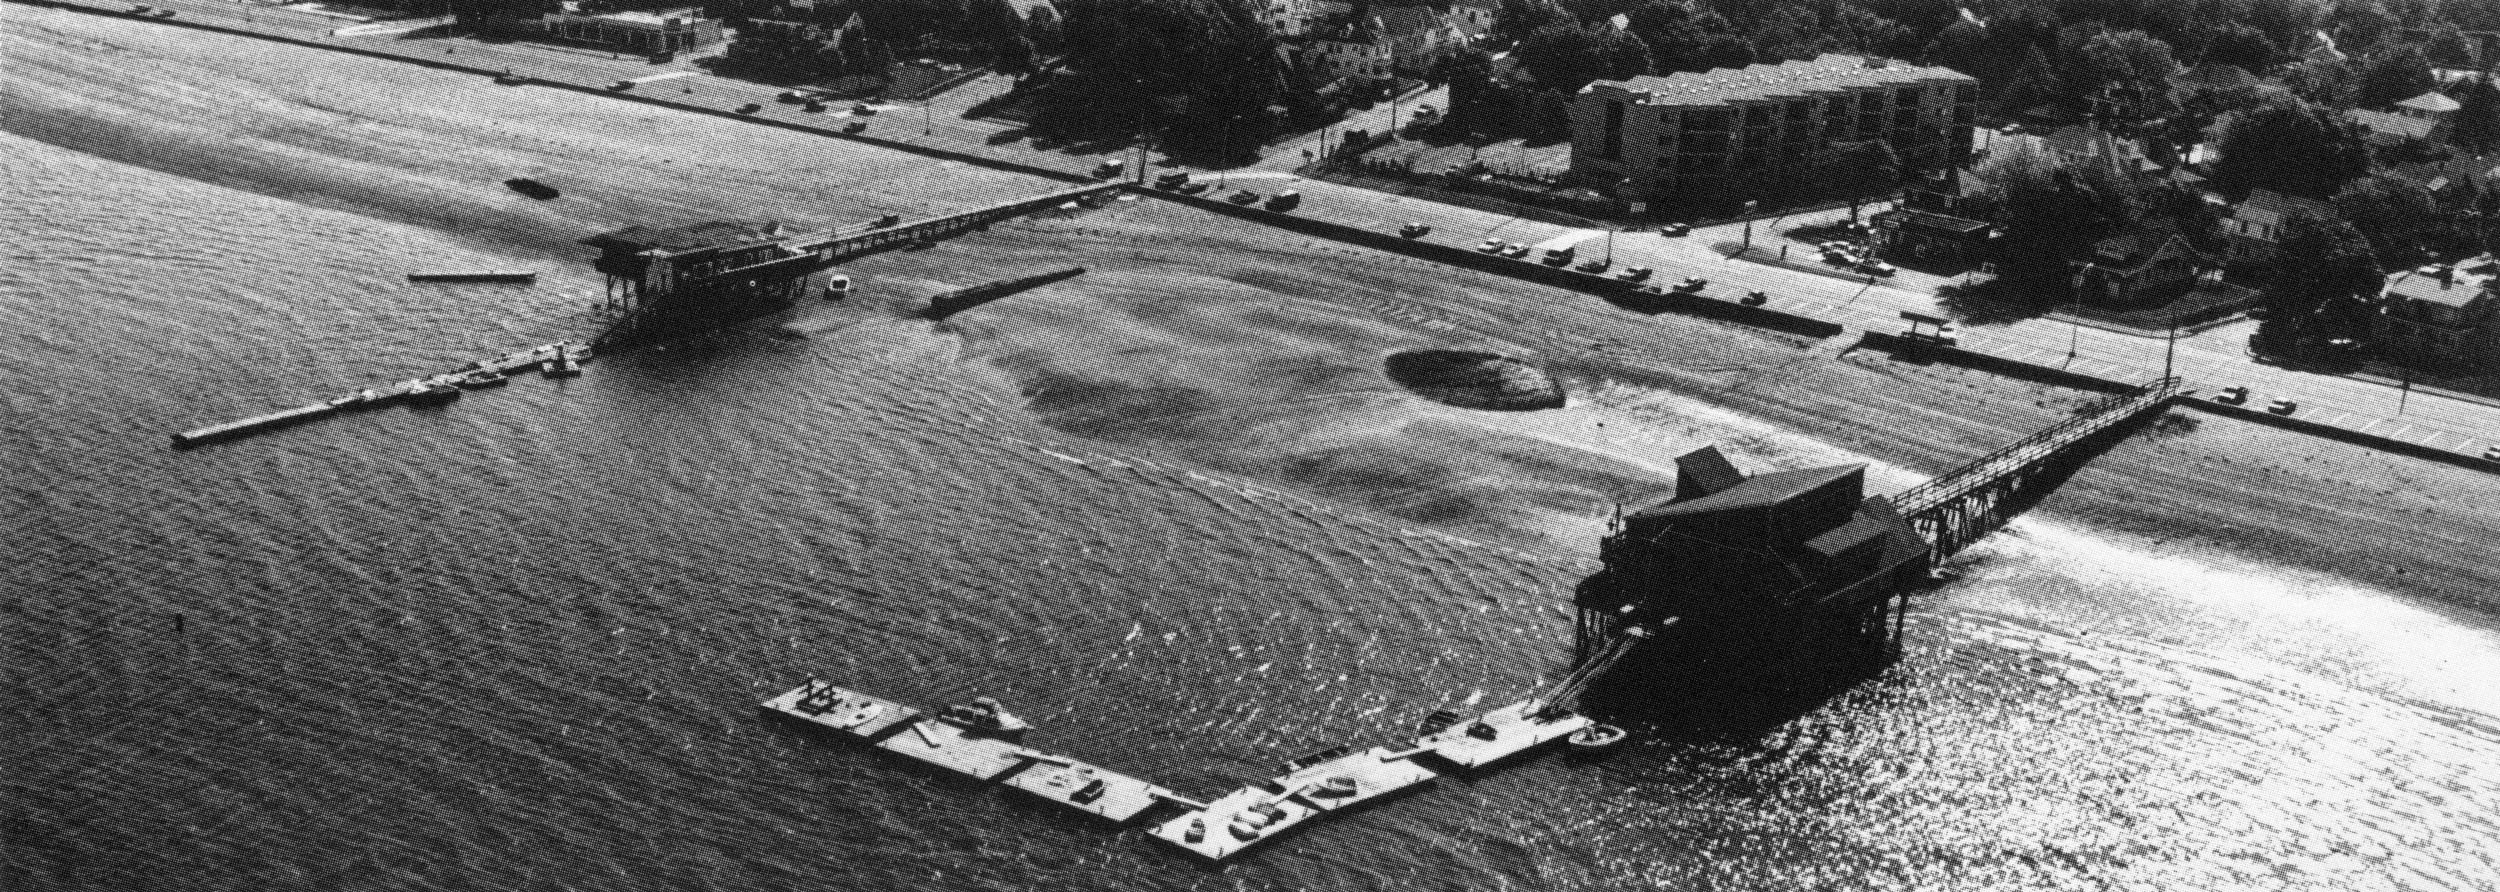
[[1312, 788]]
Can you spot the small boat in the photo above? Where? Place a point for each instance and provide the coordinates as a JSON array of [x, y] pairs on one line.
[[531, 188], [1597, 738], [1334, 752], [985, 717], [1440, 720], [1338, 787], [433, 391], [483, 379], [837, 287], [1196, 831], [1253, 822]]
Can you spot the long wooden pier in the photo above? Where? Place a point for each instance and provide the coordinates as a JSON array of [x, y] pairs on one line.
[[681, 279], [1956, 509]]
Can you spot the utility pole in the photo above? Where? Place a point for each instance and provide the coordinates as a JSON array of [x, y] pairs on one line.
[[1749, 209], [2170, 345]]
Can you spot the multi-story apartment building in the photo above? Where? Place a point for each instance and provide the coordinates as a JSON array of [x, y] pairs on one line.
[[1731, 134], [2443, 318]]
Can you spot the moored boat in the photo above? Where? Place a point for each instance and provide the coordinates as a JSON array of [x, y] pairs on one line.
[[483, 378], [984, 716], [1597, 739]]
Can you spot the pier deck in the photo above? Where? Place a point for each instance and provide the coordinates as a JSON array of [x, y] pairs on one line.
[[1242, 819], [1106, 794], [1500, 735], [846, 711]]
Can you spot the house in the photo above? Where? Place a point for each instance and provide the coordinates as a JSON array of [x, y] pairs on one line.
[[2431, 106], [1717, 136], [1363, 41], [664, 31], [2256, 226], [2443, 318], [2388, 129], [2213, 80], [1917, 237], [2138, 268], [2077, 147]]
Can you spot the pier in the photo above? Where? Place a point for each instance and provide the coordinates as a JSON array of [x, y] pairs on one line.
[[1309, 790], [684, 279], [558, 359], [494, 276]]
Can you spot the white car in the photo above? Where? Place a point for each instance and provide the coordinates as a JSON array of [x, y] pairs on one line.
[[2492, 454], [1693, 284], [1491, 246], [1876, 267], [2232, 395], [1515, 250], [1634, 274]]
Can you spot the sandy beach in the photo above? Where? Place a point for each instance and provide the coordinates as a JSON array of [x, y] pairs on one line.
[[1228, 344]]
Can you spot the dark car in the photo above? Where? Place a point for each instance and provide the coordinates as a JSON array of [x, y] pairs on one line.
[[1244, 196], [750, 108], [1414, 230], [1675, 229], [855, 127], [1757, 298], [621, 85]]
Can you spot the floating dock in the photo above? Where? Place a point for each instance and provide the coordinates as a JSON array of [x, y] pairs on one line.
[[940, 744], [1242, 819], [1500, 735], [1311, 789], [425, 390]]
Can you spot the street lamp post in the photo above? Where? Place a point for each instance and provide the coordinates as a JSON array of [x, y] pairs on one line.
[[1749, 209]]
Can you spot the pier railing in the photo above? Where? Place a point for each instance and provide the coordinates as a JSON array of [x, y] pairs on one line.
[[1956, 508]]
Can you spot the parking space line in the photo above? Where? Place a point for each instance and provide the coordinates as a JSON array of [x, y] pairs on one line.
[[2400, 430], [2367, 428], [2433, 440], [2339, 417]]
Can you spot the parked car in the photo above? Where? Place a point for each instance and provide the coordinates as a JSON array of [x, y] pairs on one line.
[[621, 85], [887, 220], [1285, 201], [1558, 256], [2492, 454], [1634, 274], [750, 108], [1193, 187], [1692, 284], [1876, 267], [2232, 395], [1414, 230], [1515, 251], [2282, 407], [1243, 196], [863, 109], [1594, 265], [1675, 229], [1172, 179], [855, 127], [1838, 257], [1491, 246], [793, 97], [1757, 298]]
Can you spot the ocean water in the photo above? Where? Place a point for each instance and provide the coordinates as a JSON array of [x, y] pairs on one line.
[[516, 643]]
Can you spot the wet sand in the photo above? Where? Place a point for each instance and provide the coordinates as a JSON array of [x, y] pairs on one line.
[[1231, 345]]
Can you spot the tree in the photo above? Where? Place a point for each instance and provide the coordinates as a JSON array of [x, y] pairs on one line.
[[1134, 57], [2291, 147], [2476, 126], [1514, 20], [2394, 76], [2397, 216], [1567, 56], [2324, 271], [2241, 45], [2049, 218], [2448, 47]]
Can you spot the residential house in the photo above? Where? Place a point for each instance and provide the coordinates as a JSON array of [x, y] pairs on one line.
[[2388, 129], [1722, 135], [2211, 81], [2138, 268], [2079, 147], [2256, 226], [1364, 41], [2443, 318]]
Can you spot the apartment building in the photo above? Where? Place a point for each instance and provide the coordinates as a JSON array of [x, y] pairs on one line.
[[2443, 318], [1732, 134]]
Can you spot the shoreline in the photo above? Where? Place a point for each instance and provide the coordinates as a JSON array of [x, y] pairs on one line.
[[1332, 313]]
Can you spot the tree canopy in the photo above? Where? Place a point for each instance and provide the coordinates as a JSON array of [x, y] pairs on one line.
[[2291, 147], [2398, 74]]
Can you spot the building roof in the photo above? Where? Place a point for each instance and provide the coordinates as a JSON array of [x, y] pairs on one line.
[[1930, 221], [2434, 102], [1758, 491], [2131, 251], [2215, 76], [691, 237], [2458, 288], [1830, 72], [2391, 125], [2271, 207]]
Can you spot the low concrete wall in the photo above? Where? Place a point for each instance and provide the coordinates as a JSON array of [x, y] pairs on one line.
[[1904, 347], [1621, 292], [2347, 435]]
